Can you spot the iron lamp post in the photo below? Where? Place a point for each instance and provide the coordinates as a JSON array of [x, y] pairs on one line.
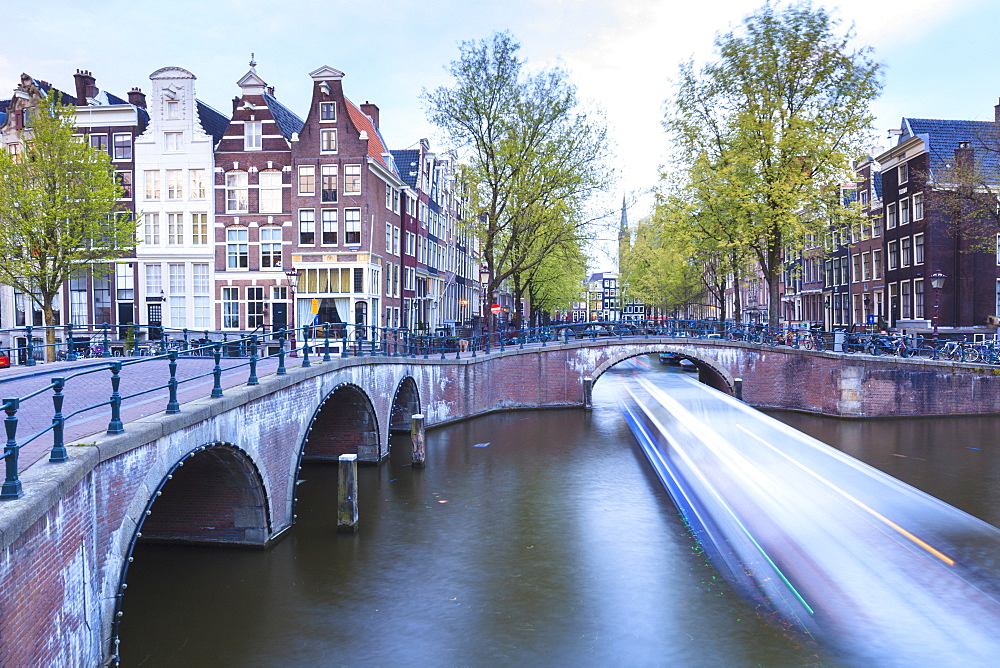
[[293, 282], [937, 282]]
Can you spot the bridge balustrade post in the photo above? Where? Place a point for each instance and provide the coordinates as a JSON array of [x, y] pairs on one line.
[[29, 354], [343, 344], [106, 351], [305, 347], [417, 438], [70, 347], [11, 488], [115, 426], [217, 371], [253, 380], [588, 393], [172, 405], [326, 342], [347, 493], [59, 453], [281, 356]]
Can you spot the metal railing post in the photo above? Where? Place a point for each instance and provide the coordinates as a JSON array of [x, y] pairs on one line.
[[106, 352], [115, 426], [71, 347], [281, 355], [59, 453], [172, 405], [11, 488], [305, 347], [343, 345], [29, 348], [326, 342], [252, 380], [217, 371]]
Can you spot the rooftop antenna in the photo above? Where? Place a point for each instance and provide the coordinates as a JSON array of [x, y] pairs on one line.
[[252, 62]]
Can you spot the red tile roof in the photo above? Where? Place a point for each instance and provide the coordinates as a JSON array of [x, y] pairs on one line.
[[376, 145]]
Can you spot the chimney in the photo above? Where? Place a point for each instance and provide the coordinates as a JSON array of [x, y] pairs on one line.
[[137, 97], [270, 91], [371, 110], [236, 104], [996, 113], [85, 86], [964, 156]]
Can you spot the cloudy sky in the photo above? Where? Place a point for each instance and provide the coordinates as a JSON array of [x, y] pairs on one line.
[[621, 54]]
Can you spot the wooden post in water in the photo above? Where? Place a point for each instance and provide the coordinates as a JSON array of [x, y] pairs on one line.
[[347, 494], [738, 388], [417, 436], [588, 393]]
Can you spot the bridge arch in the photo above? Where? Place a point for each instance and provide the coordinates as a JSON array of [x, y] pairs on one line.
[[710, 372], [345, 422], [405, 403], [213, 494]]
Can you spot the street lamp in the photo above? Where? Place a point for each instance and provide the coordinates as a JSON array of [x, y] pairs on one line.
[[484, 279], [293, 282], [937, 282]]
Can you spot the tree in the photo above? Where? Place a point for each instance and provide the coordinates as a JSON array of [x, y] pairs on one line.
[[555, 282], [534, 156], [772, 126], [58, 209]]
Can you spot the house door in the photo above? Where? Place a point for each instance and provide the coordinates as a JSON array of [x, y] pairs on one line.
[[279, 316], [154, 318]]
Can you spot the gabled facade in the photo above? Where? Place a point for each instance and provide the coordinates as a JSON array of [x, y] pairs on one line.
[[175, 164], [346, 211], [856, 272], [253, 231]]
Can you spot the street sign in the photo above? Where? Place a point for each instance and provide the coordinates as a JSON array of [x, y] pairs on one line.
[[495, 309]]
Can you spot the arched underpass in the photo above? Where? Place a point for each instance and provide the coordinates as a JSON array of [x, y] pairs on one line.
[[345, 423]]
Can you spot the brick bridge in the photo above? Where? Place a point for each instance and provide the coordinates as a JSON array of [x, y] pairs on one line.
[[224, 470]]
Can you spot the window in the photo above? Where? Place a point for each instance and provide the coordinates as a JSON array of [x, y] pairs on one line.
[[236, 192], [903, 173], [123, 147], [125, 181], [352, 179], [77, 299], [893, 255], [395, 241], [388, 238], [251, 136], [172, 142], [237, 252], [890, 216], [199, 229], [918, 206], [177, 300], [328, 174], [231, 308], [173, 110], [197, 184], [151, 228], [100, 142], [329, 221], [904, 211], [906, 251], [175, 185], [151, 178], [175, 229], [154, 280], [269, 194], [866, 274], [307, 227], [877, 264], [177, 282], [352, 226], [359, 279], [270, 248], [255, 307], [918, 249], [125, 281], [918, 298], [905, 300], [202, 283], [328, 140], [327, 111], [410, 238], [307, 180], [102, 299], [863, 198]]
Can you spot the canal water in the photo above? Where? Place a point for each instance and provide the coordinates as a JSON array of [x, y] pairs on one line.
[[538, 538]]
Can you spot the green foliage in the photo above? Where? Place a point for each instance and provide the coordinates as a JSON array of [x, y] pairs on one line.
[[765, 134], [58, 201], [534, 156]]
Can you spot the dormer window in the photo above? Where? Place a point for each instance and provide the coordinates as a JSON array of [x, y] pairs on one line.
[[327, 111], [251, 136]]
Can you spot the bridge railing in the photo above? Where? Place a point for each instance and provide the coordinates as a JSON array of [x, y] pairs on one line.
[[155, 359]]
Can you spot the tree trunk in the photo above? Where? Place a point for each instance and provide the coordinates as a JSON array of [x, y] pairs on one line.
[[48, 317]]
